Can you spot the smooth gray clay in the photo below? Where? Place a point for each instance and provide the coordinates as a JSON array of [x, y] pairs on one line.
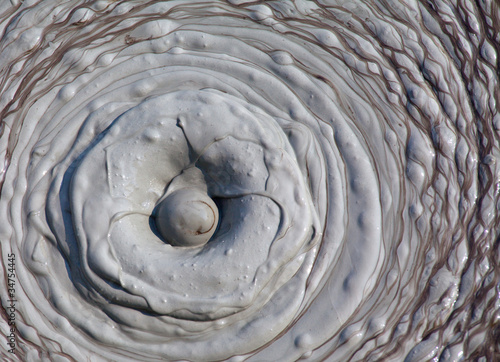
[[187, 217], [262, 181]]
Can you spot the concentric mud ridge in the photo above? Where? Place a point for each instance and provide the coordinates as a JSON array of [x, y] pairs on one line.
[[330, 168]]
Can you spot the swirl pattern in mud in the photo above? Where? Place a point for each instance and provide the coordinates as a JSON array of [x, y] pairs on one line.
[[262, 181]]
